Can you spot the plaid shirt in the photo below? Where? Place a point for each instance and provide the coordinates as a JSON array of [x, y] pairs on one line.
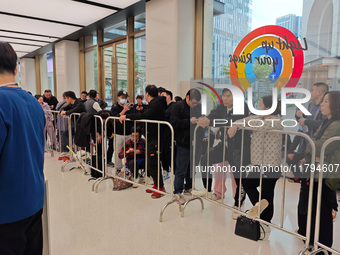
[[129, 144]]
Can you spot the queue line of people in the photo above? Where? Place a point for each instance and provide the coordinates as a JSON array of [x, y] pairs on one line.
[[185, 115]]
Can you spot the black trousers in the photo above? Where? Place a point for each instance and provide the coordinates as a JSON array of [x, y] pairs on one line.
[[131, 166], [110, 151], [23, 237], [153, 163], [250, 185], [326, 219]]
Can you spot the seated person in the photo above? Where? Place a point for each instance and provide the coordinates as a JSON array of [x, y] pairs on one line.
[[130, 151]]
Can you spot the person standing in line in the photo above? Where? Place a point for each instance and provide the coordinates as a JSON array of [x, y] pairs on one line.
[[74, 104], [83, 96], [122, 132], [92, 105], [52, 101], [184, 118], [166, 143], [330, 127], [266, 151], [62, 125], [22, 123], [49, 129], [155, 111], [233, 147]]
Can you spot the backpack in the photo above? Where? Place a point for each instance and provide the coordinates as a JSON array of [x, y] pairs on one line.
[[84, 127]]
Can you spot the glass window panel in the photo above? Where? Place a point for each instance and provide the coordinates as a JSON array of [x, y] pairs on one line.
[[90, 40], [115, 31], [140, 22], [91, 74], [46, 71], [140, 66], [121, 59]]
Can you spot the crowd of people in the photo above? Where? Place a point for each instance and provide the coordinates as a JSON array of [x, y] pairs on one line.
[[133, 141]]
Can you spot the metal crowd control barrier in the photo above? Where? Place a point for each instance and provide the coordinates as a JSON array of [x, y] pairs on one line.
[[80, 155], [134, 180], [238, 210], [52, 133], [319, 247]]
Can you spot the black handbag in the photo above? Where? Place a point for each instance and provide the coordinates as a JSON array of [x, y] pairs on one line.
[[248, 228]]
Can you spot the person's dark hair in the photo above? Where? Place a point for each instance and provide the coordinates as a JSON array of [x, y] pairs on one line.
[[322, 86], [70, 94], [139, 97], [194, 94], [178, 98], [8, 58], [64, 95], [268, 102], [151, 90], [104, 114], [47, 91], [161, 90], [37, 96], [137, 130], [169, 93], [84, 92], [93, 93], [334, 100], [226, 90]]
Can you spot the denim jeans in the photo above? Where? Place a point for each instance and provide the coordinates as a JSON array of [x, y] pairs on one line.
[[182, 168]]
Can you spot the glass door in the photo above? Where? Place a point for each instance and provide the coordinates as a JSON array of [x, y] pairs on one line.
[[115, 70]]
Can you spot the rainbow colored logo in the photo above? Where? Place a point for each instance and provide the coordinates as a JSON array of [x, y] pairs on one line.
[[273, 45]]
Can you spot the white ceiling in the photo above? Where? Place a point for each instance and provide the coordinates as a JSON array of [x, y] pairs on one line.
[[29, 25]]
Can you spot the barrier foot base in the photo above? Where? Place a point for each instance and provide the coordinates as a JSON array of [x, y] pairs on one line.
[[66, 163], [319, 250], [190, 200], [305, 251], [165, 206], [99, 181]]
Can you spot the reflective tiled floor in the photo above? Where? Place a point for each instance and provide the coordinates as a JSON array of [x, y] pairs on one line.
[[127, 222]]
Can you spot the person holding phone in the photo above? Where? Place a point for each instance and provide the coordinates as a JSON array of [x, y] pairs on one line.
[[122, 133]]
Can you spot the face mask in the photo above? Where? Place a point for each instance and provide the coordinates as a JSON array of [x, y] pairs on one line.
[[123, 101]]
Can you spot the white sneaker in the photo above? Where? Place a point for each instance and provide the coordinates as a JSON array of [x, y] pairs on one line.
[[215, 197], [148, 181], [139, 180], [254, 211], [166, 175], [199, 193], [180, 198]]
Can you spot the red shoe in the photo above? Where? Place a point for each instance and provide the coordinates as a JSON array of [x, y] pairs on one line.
[[60, 158], [156, 194], [66, 158], [149, 190]]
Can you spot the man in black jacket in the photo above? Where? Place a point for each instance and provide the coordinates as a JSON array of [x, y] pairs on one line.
[[74, 105], [233, 150], [52, 101], [184, 117], [155, 111], [166, 139]]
